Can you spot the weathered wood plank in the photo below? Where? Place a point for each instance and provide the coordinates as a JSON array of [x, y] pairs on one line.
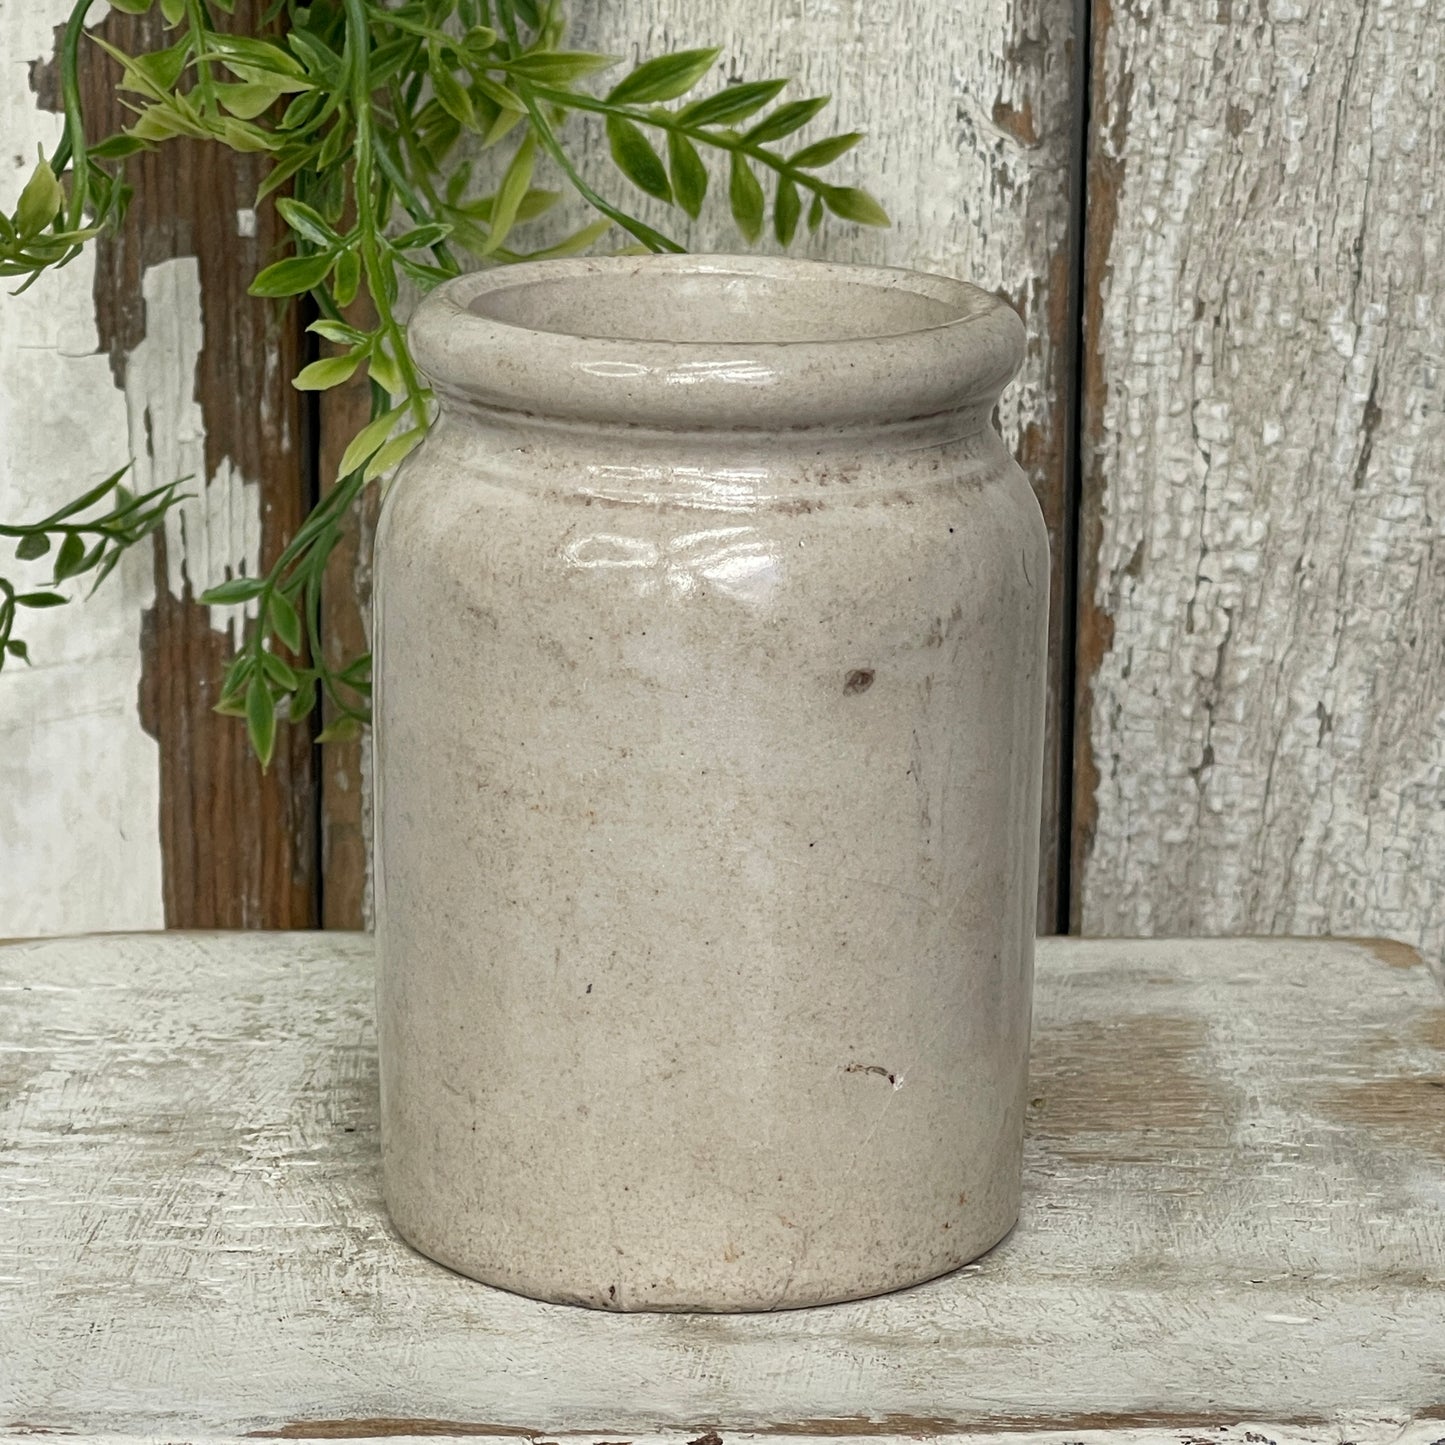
[[79, 791], [1262, 664], [972, 113], [1231, 1224], [345, 767], [209, 396]]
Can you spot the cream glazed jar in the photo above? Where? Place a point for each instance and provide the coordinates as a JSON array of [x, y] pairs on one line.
[[710, 679]]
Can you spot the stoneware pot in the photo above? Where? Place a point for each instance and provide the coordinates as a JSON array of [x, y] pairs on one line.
[[710, 656]]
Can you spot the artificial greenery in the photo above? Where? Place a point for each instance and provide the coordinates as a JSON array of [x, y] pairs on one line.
[[370, 115]]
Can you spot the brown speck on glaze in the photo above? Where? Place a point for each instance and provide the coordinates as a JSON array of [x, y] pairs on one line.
[[871, 1069], [859, 680]]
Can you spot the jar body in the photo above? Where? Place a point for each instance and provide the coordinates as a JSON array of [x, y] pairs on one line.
[[708, 779]]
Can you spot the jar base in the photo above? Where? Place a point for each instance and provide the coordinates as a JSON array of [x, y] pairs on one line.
[[670, 1299]]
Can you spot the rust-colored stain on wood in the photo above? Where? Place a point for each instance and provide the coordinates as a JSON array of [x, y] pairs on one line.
[[1391, 951], [1141, 1075], [1094, 624], [1017, 122]]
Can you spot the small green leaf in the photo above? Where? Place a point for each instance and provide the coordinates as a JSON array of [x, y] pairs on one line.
[[786, 119], [292, 276], [337, 331], [364, 444], [384, 371], [130, 7], [574, 244], [787, 207], [69, 558], [347, 281], [174, 11], [247, 101], [815, 213], [117, 147], [421, 237], [634, 156], [343, 730], [285, 620], [307, 222], [161, 69], [244, 54], [825, 152], [357, 673], [733, 103], [318, 57], [853, 204], [279, 671], [16, 648], [302, 700], [546, 66], [328, 372], [238, 589], [393, 453], [242, 136], [40, 201], [261, 718], [665, 78], [478, 41], [499, 95], [514, 187], [32, 545], [689, 175], [745, 196], [40, 599], [448, 90]]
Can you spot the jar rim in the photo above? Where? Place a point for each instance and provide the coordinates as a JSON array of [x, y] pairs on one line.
[[715, 342]]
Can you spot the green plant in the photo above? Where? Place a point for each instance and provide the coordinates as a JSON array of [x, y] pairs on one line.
[[370, 114]]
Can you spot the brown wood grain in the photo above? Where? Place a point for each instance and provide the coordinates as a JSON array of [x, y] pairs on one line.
[[238, 845], [345, 812]]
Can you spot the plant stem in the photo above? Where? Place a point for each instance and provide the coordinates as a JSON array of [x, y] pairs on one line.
[[664, 120], [358, 45], [547, 138], [204, 81], [71, 149]]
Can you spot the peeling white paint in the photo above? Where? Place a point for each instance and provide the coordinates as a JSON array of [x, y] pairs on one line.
[[216, 533], [1269, 721], [79, 777]]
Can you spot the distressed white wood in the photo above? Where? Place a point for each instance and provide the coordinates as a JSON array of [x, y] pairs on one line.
[[79, 783], [966, 109], [1233, 1224], [1267, 416], [215, 534]]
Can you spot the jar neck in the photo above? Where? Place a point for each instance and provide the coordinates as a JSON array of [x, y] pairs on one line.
[[937, 430], [624, 463]]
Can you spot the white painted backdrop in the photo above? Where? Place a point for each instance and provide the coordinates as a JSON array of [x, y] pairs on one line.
[[1260, 689], [79, 778]]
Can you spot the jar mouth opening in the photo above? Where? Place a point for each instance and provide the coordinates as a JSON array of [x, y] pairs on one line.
[[723, 300], [709, 343]]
